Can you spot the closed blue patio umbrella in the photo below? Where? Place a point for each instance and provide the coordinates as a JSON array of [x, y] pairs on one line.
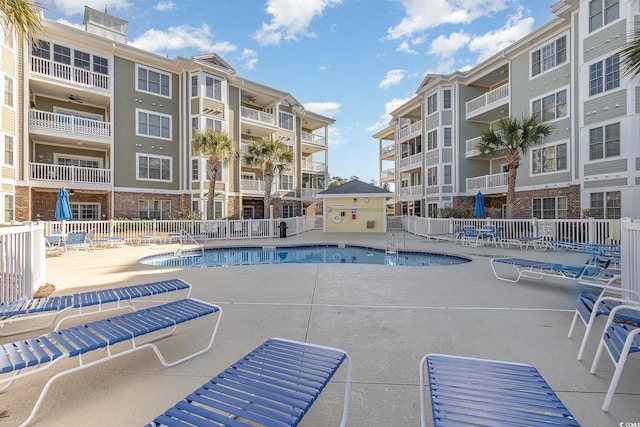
[[479, 211], [63, 206]]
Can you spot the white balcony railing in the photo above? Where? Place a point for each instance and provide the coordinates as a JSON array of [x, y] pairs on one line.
[[314, 166], [485, 101], [473, 145], [389, 149], [70, 174], [410, 130], [414, 160], [310, 192], [487, 182], [255, 186], [68, 124], [313, 139], [257, 116], [414, 190], [69, 73], [387, 174]]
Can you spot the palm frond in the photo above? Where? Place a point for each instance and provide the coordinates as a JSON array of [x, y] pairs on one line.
[[21, 16]]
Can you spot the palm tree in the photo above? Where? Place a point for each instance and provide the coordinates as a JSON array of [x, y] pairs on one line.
[[515, 137], [20, 15], [272, 155], [219, 148]]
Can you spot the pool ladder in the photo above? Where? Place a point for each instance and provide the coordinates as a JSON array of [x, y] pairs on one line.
[[392, 245], [178, 252]]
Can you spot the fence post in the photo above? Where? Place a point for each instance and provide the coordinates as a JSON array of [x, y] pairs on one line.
[[534, 227], [591, 230]]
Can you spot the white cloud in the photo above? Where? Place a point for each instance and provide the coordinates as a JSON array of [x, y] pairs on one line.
[[445, 47], [494, 41], [250, 58], [404, 47], [71, 24], [327, 109], [164, 6], [71, 7], [290, 19], [421, 15], [392, 78], [388, 108], [180, 38], [335, 136]]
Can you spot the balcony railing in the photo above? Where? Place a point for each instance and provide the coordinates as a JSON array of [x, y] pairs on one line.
[[387, 174], [69, 73], [313, 139], [314, 166], [487, 182], [70, 174], [310, 192], [254, 186], [257, 115], [414, 190], [486, 101], [410, 130], [473, 145], [68, 124], [414, 160], [389, 149]]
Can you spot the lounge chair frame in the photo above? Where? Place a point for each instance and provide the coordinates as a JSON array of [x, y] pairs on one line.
[[103, 339], [531, 269]]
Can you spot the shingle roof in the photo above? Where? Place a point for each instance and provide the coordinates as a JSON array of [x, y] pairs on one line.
[[356, 187]]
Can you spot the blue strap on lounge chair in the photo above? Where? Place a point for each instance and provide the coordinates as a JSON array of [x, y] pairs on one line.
[[538, 269], [274, 385], [620, 340], [478, 392], [33, 310], [139, 328]]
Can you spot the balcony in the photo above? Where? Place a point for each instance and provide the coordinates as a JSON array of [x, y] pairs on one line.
[[68, 73], [473, 147], [254, 186], [490, 184], [388, 175], [310, 193], [411, 161], [314, 167], [67, 125], [412, 191], [257, 116], [388, 151], [410, 131], [69, 174], [490, 106], [313, 139]]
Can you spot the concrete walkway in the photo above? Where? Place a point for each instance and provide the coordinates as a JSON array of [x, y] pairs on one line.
[[385, 317]]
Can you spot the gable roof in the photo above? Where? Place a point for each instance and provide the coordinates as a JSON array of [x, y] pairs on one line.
[[354, 187]]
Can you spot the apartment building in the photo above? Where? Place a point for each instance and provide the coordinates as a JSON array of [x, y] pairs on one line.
[[568, 72], [113, 125]]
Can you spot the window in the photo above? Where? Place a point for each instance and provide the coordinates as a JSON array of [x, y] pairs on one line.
[[214, 124], [447, 175], [213, 88], [100, 65], [287, 211], [432, 103], [81, 60], [61, 54], [432, 210], [153, 209], [432, 140], [447, 137], [85, 211], [549, 159], [604, 75], [247, 212], [153, 168], [195, 173], [604, 142], [42, 49], [9, 202], [432, 176], [8, 150], [286, 182], [602, 12], [83, 162], [153, 124], [154, 82], [549, 56], [606, 205], [550, 107], [194, 86], [549, 208], [286, 121], [8, 91], [446, 102]]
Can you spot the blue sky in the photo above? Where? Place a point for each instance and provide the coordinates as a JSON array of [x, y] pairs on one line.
[[352, 60]]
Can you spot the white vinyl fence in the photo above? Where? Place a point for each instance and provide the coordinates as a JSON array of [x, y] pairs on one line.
[[630, 254], [22, 261]]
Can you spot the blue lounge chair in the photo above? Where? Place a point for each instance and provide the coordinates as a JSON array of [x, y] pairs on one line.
[[274, 385], [479, 392], [104, 339], [77, 241], [33, 312], [620, 340], [526, 268]]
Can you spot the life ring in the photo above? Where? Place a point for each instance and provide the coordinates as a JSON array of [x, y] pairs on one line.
[[337, 218], [337, 256]]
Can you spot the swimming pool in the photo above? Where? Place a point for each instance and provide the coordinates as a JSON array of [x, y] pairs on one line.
[[313, 254]]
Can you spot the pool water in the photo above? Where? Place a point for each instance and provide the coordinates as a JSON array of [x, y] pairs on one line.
[[316, 254]]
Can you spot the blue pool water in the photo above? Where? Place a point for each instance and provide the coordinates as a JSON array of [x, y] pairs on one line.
[[316, 254]]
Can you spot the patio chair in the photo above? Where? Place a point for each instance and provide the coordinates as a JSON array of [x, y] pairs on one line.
[[471, 237], [620, 340], [33, 314], [480, 392], [76, 241], [102, 341], [526, 268], [275, 384]]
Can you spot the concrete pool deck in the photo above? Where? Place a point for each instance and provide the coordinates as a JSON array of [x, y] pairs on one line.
[[385, 317]]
